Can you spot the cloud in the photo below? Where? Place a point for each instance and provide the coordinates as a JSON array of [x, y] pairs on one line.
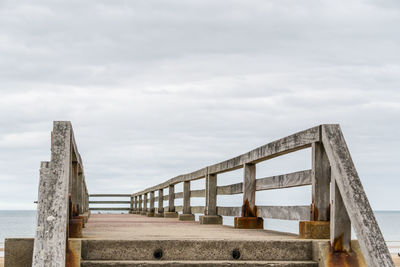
[[159, 88]]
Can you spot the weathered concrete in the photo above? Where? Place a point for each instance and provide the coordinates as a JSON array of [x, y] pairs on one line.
[[18, 252], [210, 219], [261, 250], [249, 223], [75, 228], [169, 214], [73, 253], [201, 263], [314, 230], [136, 227], [186, 217], [323, 254]]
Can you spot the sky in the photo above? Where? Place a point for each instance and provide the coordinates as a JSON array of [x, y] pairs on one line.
[[155, 89]]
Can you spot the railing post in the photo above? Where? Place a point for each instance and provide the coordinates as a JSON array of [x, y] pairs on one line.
[[132, 203], [171, 203], [318, 226], [144, 211], [249, 219], [140, 205], [187, 211], [211, 216], [340, 225], [160, 209], [136, 209], [150, 212]]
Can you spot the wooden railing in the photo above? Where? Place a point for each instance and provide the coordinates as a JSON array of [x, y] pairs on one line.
[[118, 203], [62, 199], [332, 167]]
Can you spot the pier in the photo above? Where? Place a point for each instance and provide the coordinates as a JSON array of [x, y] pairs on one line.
[[152, 233]]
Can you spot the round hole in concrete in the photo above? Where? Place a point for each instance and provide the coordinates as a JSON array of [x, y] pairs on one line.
[[236, 254], [158, 253]]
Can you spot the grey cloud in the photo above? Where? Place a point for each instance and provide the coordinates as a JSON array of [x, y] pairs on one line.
[[159, 88]]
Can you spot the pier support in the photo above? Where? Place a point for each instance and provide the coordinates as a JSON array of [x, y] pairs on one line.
[[249, 219], [318, 226], [171, 213], [150, 212], [211, 216], [187, 212], [160, 209]]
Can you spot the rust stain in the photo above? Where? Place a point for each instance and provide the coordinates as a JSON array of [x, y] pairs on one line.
[[314, 212], [70, 257], [247, 211], [345, 259]]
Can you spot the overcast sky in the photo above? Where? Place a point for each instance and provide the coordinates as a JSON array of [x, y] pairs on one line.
[[155, 89]]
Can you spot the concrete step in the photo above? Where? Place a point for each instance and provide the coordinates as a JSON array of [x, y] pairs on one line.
[[197, 250], [201, 263]]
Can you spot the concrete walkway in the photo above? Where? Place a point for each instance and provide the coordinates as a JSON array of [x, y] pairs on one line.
[[138, 227]]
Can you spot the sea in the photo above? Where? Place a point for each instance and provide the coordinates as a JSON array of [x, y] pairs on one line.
[[21, 223]]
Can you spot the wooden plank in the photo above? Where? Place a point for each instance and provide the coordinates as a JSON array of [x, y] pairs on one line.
[[300, 178], [198, 193], [179, 195], [197, 209], [52, 219], [230, 189], [340, 225], [298, 213], [249, 190], [229, 211], [119, 208], [110, 195], [355, 200], [279, 147], [211, 194], [321, 179], [109, 202]]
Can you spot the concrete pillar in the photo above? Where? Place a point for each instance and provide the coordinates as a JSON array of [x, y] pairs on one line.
[[144, 210], [171, 203], [160, 209], [140, 204], [211, 216], [187, 211], [132, 205], [136, 209], [249, 219], [318, 226], [150, 212]]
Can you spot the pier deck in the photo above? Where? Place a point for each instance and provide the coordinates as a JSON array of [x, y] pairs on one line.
[[137, 227]]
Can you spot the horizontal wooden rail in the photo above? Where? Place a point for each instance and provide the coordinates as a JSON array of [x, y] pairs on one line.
[[110, 195], [300, 178], [109, 202], [300, 140], [119, 208], [284, 212], [338, 199]]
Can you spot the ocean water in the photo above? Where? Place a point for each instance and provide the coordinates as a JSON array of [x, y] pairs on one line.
[[21, 223]]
